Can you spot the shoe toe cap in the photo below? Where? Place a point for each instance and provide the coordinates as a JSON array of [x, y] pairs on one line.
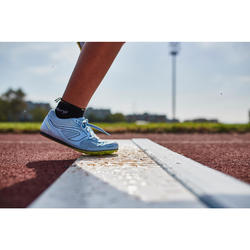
[[112, 145]]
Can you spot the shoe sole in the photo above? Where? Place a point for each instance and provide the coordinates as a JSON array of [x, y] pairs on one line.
[[104, 152]]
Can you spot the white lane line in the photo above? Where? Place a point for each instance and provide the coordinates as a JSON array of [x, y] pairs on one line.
[[128, 179], [203, 142], [211, 186]]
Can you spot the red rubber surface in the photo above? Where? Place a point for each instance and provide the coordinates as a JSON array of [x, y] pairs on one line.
[[29, 163]]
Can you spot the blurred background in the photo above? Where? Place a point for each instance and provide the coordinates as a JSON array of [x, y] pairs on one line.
[[212, 82]]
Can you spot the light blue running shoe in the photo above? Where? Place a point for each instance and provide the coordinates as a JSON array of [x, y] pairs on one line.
[[76, 133]]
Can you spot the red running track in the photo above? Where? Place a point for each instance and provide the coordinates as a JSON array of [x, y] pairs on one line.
[[29, 163]]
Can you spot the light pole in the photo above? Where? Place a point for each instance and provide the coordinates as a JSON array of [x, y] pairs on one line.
[[174, 50]]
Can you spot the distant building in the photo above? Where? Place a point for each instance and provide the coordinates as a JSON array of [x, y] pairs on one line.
[[99, 114], [33, 105], [30, 106], [202, 120], [173, 121], [146, 117]]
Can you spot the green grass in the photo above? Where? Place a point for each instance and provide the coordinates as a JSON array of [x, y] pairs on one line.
[[33, 127], [19, 127]]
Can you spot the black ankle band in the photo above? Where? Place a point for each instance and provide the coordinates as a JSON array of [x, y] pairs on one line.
[[67, 110]]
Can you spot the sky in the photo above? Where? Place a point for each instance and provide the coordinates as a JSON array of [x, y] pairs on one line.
[[213, 79]]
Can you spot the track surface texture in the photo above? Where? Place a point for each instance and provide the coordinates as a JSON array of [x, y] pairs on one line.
[[29, 163]]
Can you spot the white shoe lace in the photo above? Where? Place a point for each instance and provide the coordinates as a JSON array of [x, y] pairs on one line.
[[85, 123]]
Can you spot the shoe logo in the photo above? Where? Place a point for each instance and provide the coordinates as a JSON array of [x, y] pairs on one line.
[[62, 111], [71, 133], [78, 138]]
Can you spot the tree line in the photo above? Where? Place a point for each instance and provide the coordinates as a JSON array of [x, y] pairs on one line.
[[13, 107]]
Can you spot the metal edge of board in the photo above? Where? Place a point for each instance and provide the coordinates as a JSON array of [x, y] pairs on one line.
[[214, 188]]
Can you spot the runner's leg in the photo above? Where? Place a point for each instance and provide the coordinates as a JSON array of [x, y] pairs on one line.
[[92, 65]]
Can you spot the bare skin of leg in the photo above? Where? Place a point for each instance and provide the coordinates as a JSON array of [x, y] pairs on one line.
[[92, 65]]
